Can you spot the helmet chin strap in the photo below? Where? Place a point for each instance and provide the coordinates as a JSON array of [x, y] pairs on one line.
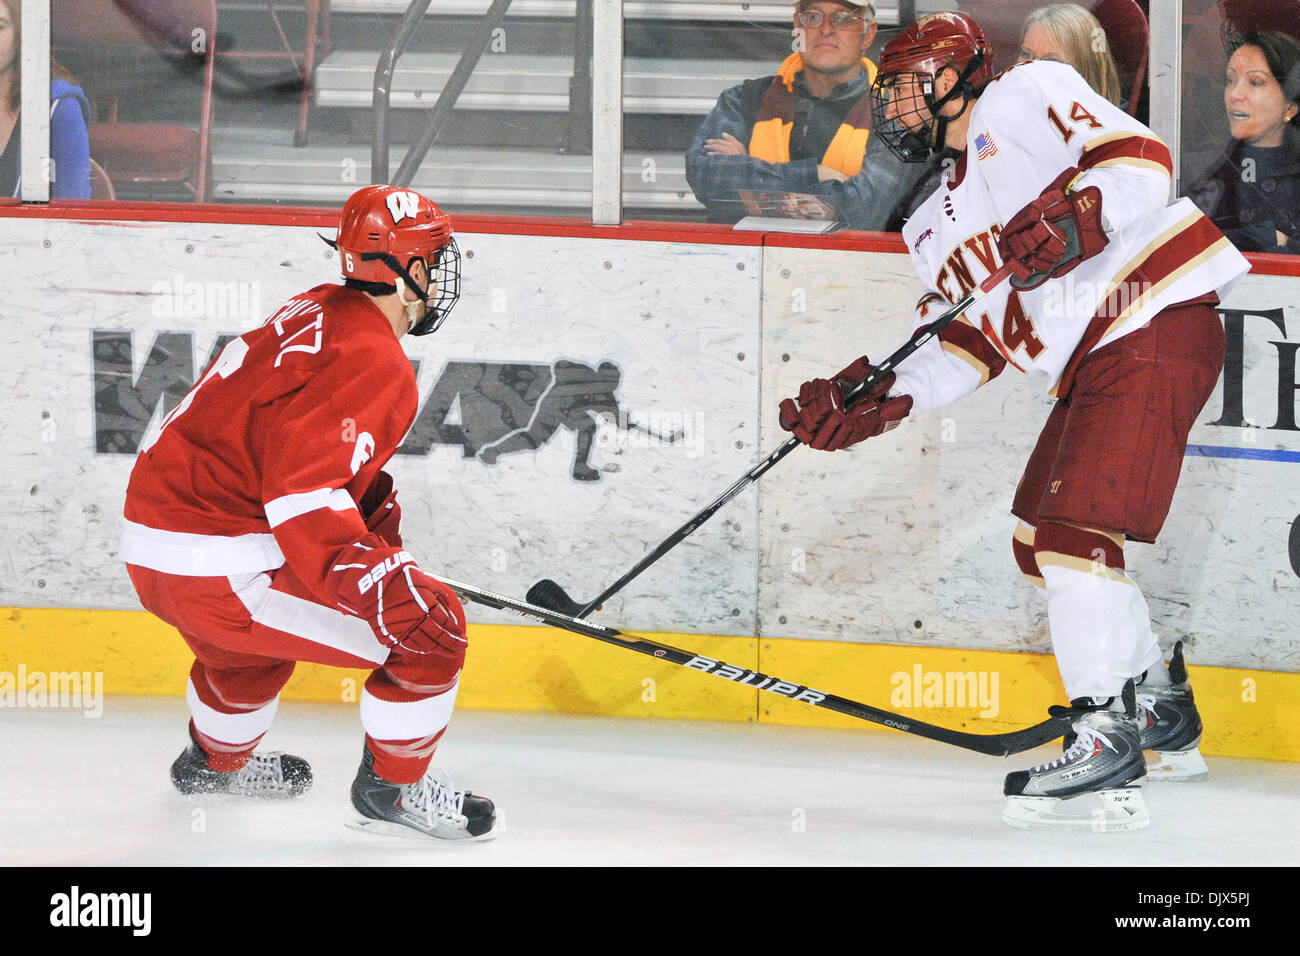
[[410, 305], [404, 283], [940, 127], [940, 133]]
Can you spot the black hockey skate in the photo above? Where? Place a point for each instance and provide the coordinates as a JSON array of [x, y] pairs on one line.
[[1094, 785], [430, 807], [1170, 726], [270, 775]]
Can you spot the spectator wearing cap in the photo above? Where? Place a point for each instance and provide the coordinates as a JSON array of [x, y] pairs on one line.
[[807, 129]]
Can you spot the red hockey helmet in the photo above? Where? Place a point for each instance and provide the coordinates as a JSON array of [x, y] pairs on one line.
[[382, 229], [919, 54]]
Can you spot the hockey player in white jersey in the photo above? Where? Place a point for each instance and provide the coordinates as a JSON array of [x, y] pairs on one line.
[[1111, 304]]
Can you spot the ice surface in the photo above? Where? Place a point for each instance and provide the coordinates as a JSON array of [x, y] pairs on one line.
[[600, 791]]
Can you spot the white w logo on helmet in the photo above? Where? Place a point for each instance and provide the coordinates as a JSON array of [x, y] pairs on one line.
[[403, 205]]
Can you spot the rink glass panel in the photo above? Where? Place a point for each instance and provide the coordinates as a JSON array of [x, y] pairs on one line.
[[1211, 31], [288, 129]]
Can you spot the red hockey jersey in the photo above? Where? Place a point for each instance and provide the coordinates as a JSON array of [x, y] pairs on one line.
[[265, 459]]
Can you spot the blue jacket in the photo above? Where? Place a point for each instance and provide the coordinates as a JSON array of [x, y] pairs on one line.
[[69, 146]]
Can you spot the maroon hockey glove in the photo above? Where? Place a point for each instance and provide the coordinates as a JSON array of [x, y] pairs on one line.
[[1053, 234], [814, 404], [404, 606], [858, 372], [820, 420], [382, 513]]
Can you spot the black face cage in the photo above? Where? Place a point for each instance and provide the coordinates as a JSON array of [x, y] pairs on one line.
[[916, 146], [445, 271], [909, 145]]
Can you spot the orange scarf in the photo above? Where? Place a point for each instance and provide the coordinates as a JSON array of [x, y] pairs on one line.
[[770, 140]]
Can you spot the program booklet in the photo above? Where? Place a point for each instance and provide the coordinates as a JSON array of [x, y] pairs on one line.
[[788, 212]]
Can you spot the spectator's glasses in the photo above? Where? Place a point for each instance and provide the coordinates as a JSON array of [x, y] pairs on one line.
[[840, 19]]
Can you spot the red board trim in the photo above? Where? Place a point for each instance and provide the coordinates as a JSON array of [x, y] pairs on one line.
[[643, 231]]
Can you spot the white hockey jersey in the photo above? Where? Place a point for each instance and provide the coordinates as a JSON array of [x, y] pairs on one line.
[[1031, 124]]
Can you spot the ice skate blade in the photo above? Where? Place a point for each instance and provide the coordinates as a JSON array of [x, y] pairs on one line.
[[387, 828], [1185, 766], [1101, 811]]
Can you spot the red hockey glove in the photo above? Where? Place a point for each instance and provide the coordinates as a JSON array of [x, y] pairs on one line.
[[380, 510], [404, 606], [1053, 234], [820, 420]]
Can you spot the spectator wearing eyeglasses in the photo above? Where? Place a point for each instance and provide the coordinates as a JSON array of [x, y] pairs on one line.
[[806, 129]]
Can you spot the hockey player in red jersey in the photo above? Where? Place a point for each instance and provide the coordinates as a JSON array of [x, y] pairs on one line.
[[260, 524], [1111, 305]]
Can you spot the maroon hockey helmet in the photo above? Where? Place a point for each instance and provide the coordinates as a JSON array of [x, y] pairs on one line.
[[919, 54], [382, 229]]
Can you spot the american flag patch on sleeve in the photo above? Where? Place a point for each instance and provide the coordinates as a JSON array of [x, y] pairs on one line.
[[984, 146]]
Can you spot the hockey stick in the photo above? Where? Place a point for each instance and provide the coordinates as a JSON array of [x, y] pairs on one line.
[[549, 594], [997, 745]]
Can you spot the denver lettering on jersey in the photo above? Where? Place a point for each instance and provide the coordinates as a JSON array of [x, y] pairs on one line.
[[983, 246], [982, 351]]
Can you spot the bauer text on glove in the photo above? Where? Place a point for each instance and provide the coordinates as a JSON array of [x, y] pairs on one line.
[[405, 607]]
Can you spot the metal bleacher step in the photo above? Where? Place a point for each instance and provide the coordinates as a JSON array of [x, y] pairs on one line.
[[255, 165], [754, 11], [507, 81]]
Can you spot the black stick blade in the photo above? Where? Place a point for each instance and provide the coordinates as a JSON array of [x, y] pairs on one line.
[[546, 593]]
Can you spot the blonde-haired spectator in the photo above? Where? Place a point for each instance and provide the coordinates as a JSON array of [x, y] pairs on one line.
[[1067, 33]]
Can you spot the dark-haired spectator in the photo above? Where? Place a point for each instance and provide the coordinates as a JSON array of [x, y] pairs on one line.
[[69, 141], [1254, 194]]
